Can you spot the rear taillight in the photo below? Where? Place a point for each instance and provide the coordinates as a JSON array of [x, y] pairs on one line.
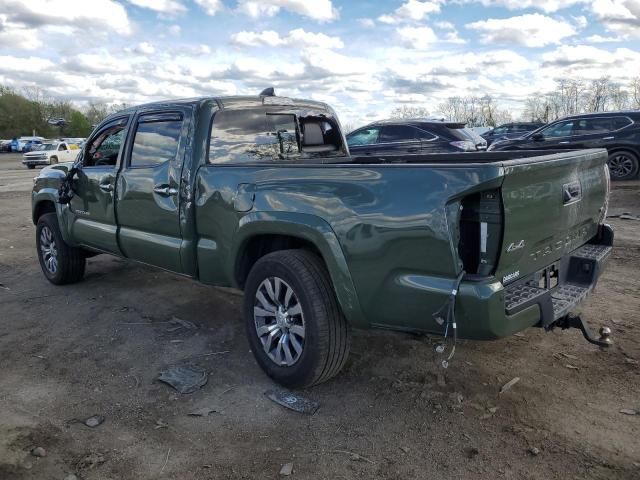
[[481, 232], [464, 145]]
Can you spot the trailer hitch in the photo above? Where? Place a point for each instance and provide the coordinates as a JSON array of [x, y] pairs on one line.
[[575, 321]]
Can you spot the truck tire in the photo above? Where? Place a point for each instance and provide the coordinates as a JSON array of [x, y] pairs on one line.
[[294, 324], [623, 165], [60, 263]]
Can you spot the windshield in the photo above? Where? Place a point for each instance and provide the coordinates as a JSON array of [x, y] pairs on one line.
[[46, 146]]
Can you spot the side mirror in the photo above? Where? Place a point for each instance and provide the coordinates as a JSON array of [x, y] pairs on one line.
[[537, 137]]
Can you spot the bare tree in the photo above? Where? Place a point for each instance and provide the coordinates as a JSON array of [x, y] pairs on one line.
[[635, 92], [409, 112]]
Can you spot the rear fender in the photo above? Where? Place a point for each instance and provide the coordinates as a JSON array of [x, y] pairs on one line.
[[312, 229]]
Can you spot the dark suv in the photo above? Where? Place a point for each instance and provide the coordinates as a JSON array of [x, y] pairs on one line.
[[618, 132], [396, 137], [510, 130]]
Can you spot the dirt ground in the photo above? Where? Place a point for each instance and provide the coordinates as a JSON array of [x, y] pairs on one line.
[[97, 347]]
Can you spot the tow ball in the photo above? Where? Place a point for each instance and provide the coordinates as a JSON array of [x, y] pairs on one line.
[[575, 321]]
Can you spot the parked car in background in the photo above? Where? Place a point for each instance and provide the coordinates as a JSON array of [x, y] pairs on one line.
[[5, 146], [50, 154], [395, 137], [510, 130], [32, 145], [618, 132], [18, 144]]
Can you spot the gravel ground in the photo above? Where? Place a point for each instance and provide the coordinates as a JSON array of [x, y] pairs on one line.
[[96, 348]]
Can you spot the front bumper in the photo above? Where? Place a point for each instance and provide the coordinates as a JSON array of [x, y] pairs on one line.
[[491, 311], [36, 161]]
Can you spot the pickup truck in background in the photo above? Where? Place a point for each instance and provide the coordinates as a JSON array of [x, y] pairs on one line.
[[50, 153], [260, 193]]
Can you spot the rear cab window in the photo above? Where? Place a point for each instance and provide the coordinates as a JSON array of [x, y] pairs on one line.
[[258, 135], [156, 139]]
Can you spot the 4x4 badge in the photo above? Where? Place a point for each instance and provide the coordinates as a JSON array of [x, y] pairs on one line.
[[515, 246]]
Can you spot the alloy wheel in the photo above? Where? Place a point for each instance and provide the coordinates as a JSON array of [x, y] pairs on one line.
[[621, 165], [48, 250], [279, 321]]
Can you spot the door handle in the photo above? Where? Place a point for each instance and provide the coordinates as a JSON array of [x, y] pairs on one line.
[[165, 191], [106, 187], [562, 143]]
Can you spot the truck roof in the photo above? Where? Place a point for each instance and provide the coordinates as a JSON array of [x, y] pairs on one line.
[[232, 102]]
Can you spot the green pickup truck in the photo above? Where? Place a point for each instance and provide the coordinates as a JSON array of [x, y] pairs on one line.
[[260, 193]]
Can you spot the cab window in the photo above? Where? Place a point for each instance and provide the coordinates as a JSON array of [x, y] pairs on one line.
[[253, 135], [156, 140], [104, 148]]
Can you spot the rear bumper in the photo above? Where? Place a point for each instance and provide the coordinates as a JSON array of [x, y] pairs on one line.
[[490, 311]]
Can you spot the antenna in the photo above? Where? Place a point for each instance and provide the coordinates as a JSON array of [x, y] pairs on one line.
[[268, 92]]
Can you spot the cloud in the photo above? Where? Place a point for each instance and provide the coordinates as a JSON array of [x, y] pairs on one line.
[[320, 10], [95, 14], [145, 48], [547, 6], [621, 16], [211, 7], [411, 11], [530, 30], [169, 7], [15, 36], [418, 38], [366, 22], [297, 37], [175, 30], [601, 39]]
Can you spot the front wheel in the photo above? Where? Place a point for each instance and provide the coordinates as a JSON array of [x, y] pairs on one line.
[[60, 262], [294, 323], [623, 165], [31, 167]]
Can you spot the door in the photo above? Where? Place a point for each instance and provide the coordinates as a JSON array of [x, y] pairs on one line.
[[64, 154], [555, 136], [398, 140], [92, 219], [148, 199], [597, 132], [363, 141]]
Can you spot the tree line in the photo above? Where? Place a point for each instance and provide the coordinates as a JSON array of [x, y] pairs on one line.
[[569, 97], [30, 110]]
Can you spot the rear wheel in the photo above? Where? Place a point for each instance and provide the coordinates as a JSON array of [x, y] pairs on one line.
[[60, 262], [294, 324], [623, 165]]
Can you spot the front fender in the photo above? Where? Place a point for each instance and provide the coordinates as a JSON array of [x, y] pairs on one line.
[[45, 189], [319, 233]]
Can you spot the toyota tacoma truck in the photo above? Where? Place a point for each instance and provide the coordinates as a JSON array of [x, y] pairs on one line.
[[260, 193]]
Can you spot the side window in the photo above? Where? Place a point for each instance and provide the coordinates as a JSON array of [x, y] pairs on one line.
[[621, 122], [397, 133], [424, 135], [103, 149], [499, 130], [253, 135], [560, 129], [365, 136], [156, 140], [62, 147]]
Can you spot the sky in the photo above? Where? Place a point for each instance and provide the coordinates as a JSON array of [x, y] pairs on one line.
[[362, 57]]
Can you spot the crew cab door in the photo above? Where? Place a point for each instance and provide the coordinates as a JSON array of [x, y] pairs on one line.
[[92, 216], [148, 189]]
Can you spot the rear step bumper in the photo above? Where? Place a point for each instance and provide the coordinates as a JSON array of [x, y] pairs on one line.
[[578, 275]]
